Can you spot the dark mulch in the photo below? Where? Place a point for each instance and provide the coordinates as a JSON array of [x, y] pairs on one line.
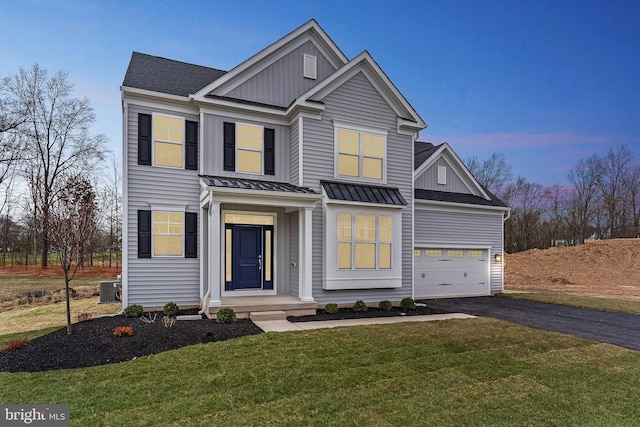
[[92, 342], [347, 313]]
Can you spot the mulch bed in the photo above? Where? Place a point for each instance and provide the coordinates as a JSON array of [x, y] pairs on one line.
[[347, 313], [92, 342]]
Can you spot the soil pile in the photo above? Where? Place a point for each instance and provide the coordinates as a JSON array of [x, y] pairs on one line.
[[607, 268]]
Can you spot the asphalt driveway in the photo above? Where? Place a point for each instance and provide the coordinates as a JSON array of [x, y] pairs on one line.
[[607, 327]]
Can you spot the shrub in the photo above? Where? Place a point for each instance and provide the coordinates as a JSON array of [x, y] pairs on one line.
[[123, 331], [171, 309], [385, 305], [13, 345], [359, 306], [84, 316], [226, 315], [331, 308], [134, 310], [408, 304]]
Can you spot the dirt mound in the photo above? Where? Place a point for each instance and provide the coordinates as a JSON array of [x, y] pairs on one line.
[[608, 268]]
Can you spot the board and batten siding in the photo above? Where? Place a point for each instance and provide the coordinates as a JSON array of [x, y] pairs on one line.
[[429, 179], [152, 282], [294, 159], [283, 81], [294, 255], [359, 102], [213, 146], [442, 226]]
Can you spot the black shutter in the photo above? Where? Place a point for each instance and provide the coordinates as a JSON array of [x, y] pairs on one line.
[[269, 152], [190, 235], [229, 146], [144, 234], [144, 139], [191, 145]]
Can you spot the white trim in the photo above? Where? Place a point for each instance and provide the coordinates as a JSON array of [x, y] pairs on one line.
[[152, 94], [436, 205], [452, 245], [361, 129], [241, 111], [274, 255], [309, 66], [442, 175], [300, 151], [125, 204], [305, 254], [216, 273], [166, 207], [153, 234], [253, 150]]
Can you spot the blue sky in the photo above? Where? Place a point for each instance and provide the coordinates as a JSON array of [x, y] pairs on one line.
[[544, 82]]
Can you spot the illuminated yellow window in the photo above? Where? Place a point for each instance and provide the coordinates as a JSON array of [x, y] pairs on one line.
[[167, 233], [168, 137], [228, 255], [455, 253], [474, 253], [344, 255], [417, 253], [360, 154], [249, 145], [384, 255], [365, 255], [366, 228], [267, 255], [364, 241], [385, 229], [433, 252]]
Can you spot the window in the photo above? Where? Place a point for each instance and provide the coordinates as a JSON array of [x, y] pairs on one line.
[[309, 65], [168, 139], [364, 241], [442, 175], [167, 233], [360, 154], [433, 252], [172, 140], [417, 253], [474, 253], [455, 253], [249, 149]]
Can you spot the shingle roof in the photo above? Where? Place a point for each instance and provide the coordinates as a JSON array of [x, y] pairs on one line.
[[422, 151], [468, 199], [363, 193], [168, 76], [254, 184]]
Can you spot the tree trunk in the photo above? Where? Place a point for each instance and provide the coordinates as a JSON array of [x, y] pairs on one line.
[[66, 288]]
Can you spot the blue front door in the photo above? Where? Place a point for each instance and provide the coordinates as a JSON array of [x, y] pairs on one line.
[[251, 257]]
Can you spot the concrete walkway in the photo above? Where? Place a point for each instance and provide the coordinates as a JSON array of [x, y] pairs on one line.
[[285, 325]]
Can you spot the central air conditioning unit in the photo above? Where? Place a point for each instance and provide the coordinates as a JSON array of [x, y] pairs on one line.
[[109, 291]]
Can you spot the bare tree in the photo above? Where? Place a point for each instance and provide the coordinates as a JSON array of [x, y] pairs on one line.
[[523, 230], [493, 173], [56, 137], [113, 208], [633, 191], [584, 177], [72, 224]]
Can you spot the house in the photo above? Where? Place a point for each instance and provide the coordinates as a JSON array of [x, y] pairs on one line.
[[290, 179]]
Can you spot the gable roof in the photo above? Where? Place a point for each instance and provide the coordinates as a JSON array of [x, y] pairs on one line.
[[311, 30], [408, 118], [422, 151], [168, 76], [467, 199]]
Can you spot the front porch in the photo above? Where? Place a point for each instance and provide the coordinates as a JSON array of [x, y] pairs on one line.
[[251, 307]]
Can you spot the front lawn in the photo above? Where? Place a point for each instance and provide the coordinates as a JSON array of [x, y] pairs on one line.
[[459, 372], [596, 303]]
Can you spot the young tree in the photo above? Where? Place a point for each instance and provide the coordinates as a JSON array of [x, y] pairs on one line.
[[56, 137], [72, 224]]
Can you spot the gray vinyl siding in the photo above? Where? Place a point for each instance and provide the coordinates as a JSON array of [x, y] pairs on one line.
[[294, 255], [358, 101], [283, 81], [213, 140], [281, 245], [458, 227], [294, 159], [429, 179], [152, 282]]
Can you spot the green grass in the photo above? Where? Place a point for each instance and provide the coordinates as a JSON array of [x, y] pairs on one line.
[[606, 304], [459, 372], [17, 285]]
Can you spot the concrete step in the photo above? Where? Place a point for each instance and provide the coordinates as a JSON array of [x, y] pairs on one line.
[[261, 316]]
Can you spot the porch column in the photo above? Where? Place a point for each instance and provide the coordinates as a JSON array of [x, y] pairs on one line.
[[305, 255], [213, 260]]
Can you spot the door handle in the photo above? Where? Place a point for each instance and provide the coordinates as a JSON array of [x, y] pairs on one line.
[[259, 262]]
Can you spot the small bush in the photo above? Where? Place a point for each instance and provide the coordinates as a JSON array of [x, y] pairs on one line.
[[226, 315], [359, 306], [331, 308], [385, 305], [123, 331], [171, 309], [84, 316], [13, 345], [134, 310], [408, 304]]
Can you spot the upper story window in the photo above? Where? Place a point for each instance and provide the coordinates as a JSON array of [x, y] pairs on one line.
[[360, 153], [167, 141], [249, 149]]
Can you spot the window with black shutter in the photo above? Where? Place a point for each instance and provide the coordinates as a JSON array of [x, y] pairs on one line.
[[144, 234], [144, 139]]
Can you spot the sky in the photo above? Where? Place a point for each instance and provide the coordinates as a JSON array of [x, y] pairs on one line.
[[546, 83]]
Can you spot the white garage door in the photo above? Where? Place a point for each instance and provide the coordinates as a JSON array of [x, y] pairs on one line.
[[450, 272]]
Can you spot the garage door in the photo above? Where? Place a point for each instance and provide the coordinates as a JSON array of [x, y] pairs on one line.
[[450, 272]]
